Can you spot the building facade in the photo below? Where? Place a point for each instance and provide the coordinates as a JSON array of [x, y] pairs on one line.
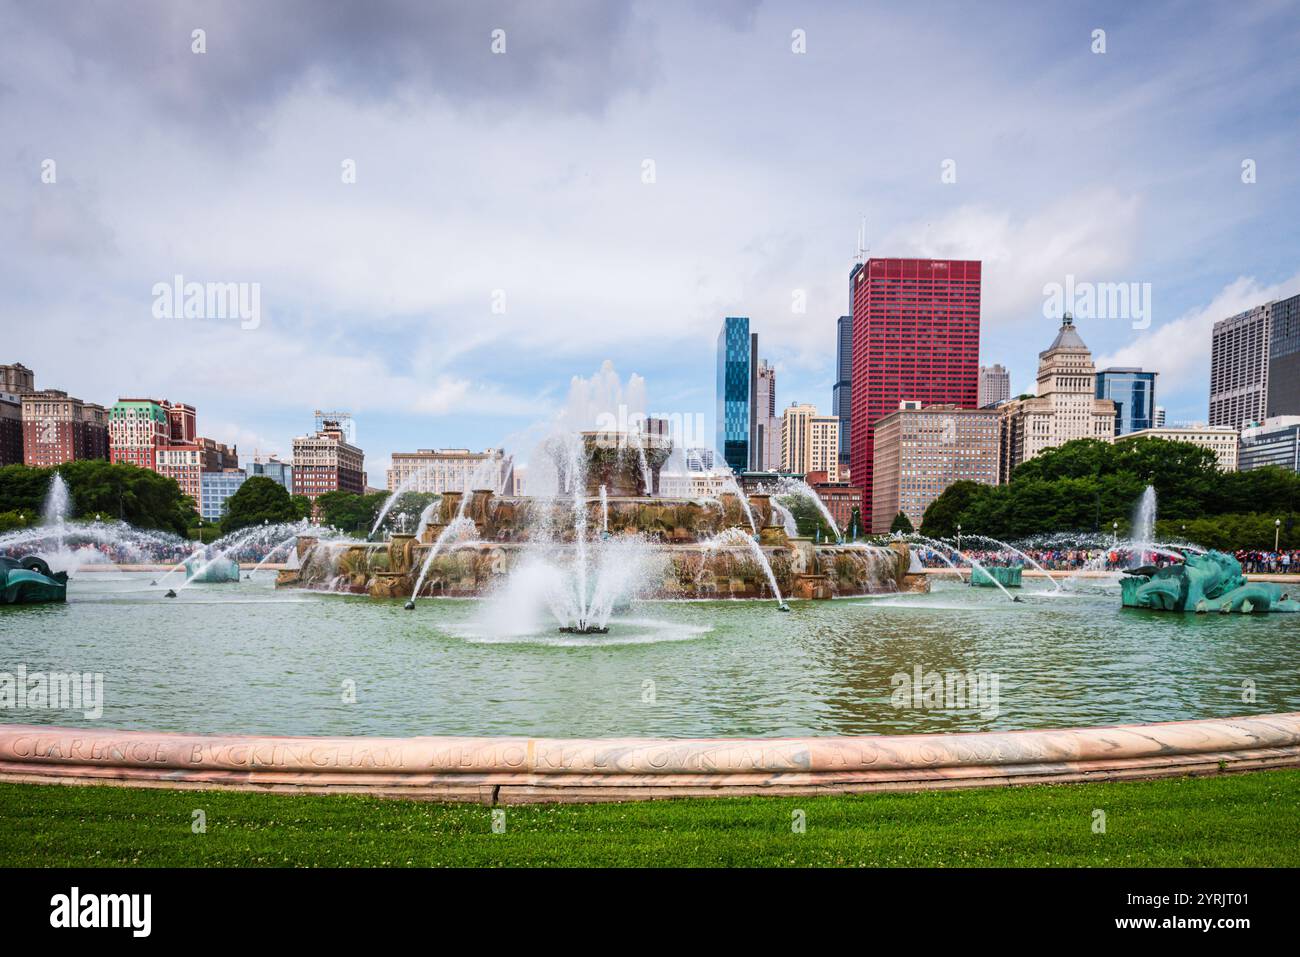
[[215, 489], [1134, 393], [186, 464], [450, 470], [1066, 406], [767, 432], [137, 429], [326, 462], [16, 379], [842, 391], [921, 451], [60, 428], [1276, 441], [810, 442], [736, 392], [916, 334], [273, 469], [1284, 359], [1239, 354], [840, 499], [11, 429], [1221, 440], [995, 385]]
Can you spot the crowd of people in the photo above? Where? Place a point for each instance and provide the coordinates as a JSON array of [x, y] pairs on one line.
[[1104, 559], [1268, 563]]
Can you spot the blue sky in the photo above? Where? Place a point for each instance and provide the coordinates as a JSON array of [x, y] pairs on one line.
[[519, 177]]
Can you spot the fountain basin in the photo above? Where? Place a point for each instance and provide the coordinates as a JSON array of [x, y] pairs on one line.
[[1205, 583], [528, 770], [29, 581]]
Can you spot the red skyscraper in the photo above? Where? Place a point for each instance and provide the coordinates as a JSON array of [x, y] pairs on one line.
[[916, 335]]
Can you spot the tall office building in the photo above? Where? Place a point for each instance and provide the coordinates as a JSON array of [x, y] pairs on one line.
[[841, 392], [1284, 359], [767, 435], [59, 428], [1066, 406], [1158, 417], [916, 336], [1239, 367], [1222, 440], [1134, 393], [810, 442], [995, 385], [327, 462], [920, 452], [15, 380], [737, 393]]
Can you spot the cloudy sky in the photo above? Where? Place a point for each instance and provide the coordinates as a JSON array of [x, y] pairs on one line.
[[501, 235]]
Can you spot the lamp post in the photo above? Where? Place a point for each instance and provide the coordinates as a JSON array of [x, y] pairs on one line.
[[1277, 532], [1114, 527], [959, 537]]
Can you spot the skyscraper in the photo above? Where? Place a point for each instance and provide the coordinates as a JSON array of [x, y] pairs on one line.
[[841, 392], [767, 438], [916, 335], [1066, 406], [1284, 359], [995, 385], [810, 442], [1239, 352], [736, 392], [1134, 393]]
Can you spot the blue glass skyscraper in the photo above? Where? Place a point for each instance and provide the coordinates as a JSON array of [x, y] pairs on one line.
[[736, 390], [1134, 394]]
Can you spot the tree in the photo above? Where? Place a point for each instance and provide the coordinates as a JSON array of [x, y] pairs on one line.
[[942, 515], [111, 490], [901, 523], [349, 511], [259, 499]]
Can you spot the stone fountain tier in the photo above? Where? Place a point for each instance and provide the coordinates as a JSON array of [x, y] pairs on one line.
[[684, 568], [620, 462]]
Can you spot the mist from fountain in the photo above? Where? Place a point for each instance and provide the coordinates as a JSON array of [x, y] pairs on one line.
[[797, 488]]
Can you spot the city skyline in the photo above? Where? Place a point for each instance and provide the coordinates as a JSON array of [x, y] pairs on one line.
[[378, 295]]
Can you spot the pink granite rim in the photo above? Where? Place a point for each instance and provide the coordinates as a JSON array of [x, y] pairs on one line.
[[539, 769]]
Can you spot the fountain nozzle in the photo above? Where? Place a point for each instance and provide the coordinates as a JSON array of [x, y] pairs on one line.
[[783, 607], [170, 594], [410, 604]]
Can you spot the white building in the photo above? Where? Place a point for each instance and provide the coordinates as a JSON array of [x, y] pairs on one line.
[[1066, 406], [1219, 439], [451, 470], [810, 442]]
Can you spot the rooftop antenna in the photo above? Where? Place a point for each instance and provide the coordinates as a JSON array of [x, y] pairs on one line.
[[863, 248]]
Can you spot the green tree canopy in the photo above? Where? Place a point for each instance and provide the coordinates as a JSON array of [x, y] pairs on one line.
[[97, 487], [901, 523], [259, 499]]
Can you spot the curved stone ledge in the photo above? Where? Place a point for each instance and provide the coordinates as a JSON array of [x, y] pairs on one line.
[[550, 769]]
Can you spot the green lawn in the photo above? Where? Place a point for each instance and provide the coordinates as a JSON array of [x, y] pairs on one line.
[[1233, 820]]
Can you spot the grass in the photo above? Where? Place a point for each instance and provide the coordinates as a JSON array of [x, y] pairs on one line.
[[1233, 820]]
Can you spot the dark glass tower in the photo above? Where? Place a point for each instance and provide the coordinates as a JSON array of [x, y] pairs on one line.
[[1134, 394], [841, 392], [737, 370]]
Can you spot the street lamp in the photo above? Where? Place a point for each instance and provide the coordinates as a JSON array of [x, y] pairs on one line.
[[1114, 526], [1277, 531], [959, 536]]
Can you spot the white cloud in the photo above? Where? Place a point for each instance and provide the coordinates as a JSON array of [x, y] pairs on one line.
[[1180, 349]]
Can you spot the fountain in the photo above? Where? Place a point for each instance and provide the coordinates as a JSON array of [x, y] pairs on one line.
[[599, 539], [1204, 583]]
